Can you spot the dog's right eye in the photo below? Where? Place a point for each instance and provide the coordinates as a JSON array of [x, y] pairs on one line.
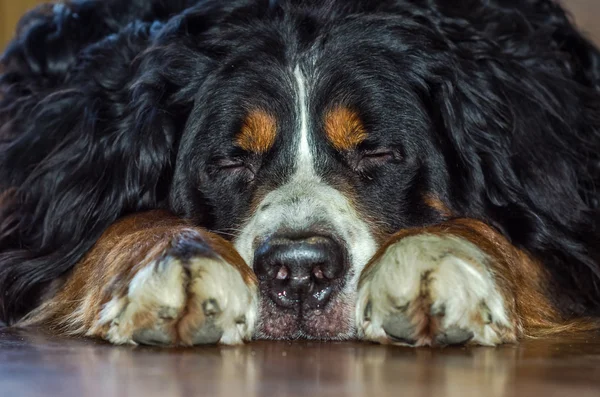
[[235, 167]]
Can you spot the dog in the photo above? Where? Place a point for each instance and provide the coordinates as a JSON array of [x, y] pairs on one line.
[[411, 172]]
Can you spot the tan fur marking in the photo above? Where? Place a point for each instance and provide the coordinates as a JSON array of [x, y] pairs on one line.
[[438, 205], [344, 128], [258, 132], [191, 321], [426, 326], [521, 279]]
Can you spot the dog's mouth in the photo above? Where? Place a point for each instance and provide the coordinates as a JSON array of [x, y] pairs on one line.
[[303, 282], [334, 321]]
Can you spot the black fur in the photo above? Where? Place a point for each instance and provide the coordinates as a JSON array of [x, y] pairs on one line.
[[112, 107]]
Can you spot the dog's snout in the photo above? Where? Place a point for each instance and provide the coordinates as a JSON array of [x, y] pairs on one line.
[[300, 271]]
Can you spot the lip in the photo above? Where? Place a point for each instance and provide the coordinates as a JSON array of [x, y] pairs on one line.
[[333, 322]]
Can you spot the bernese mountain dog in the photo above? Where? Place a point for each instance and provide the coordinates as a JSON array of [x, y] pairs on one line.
[[414, 172]]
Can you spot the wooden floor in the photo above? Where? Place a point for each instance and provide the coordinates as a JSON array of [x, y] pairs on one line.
[[34, 364]]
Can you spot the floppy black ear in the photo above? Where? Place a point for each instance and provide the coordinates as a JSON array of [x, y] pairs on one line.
[[521, 135], [75, 158]]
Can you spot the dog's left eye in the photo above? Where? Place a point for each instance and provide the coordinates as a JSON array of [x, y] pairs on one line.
[[374, 158]]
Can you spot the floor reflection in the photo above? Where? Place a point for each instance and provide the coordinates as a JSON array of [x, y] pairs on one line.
[[33, 363]]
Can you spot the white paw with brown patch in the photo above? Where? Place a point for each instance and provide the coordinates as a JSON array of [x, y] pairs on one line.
[[191, 302], [432, 289]]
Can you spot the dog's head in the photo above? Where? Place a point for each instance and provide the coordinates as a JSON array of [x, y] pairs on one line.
[[309, 142]]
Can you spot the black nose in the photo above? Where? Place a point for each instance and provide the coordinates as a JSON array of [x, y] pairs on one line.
[[302, 270]]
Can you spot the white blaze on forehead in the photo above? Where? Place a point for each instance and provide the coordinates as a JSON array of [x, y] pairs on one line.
[[304, 156], [305, 200]]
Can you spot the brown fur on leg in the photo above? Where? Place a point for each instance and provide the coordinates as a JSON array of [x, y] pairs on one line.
[[106, 271], [520, 278]]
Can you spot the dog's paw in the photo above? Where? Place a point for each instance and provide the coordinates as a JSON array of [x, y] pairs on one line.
[[432, 290], [185, 295]]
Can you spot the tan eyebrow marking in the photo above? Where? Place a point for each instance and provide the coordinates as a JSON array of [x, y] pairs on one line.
[[344, 128], [258, 132], [437, 204]]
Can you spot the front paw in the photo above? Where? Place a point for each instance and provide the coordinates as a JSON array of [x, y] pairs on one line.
[[185, 294], [431, 289]]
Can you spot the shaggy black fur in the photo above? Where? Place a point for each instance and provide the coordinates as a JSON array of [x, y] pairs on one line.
[[112, 106]]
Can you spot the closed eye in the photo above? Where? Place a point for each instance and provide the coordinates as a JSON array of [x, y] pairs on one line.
[[235, 167], [230, 164], [375, 158]]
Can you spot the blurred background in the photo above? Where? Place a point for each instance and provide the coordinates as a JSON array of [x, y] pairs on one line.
[[585, 12]]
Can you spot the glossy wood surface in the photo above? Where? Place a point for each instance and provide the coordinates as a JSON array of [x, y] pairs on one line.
[[35, 364]]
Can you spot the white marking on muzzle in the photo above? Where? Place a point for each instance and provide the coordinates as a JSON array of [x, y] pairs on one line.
[[306, 201]]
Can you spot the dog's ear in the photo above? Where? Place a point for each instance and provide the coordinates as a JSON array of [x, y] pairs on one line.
[[506, 118], [520, 133], [75, 158], [503, 93]]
